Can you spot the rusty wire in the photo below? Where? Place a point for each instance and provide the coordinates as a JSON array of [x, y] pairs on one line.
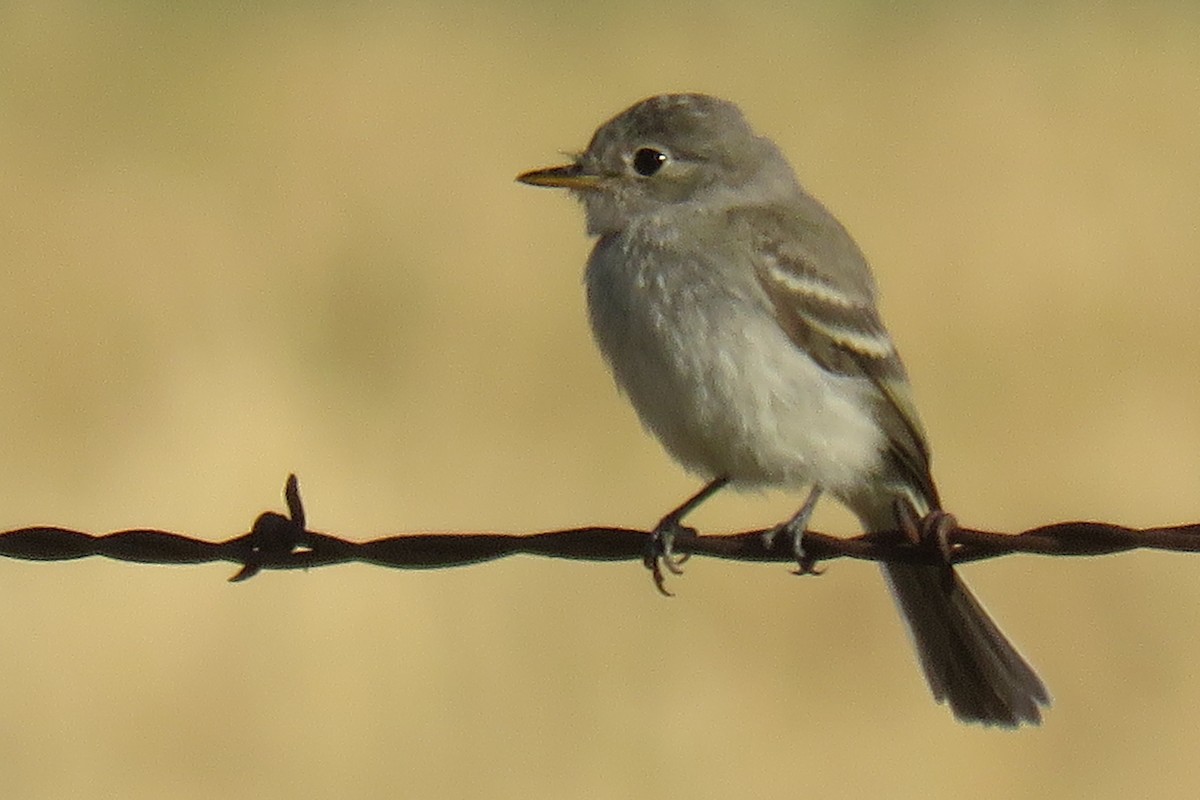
[[276, 541]]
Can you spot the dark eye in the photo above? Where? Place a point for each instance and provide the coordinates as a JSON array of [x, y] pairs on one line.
[[647, 161]]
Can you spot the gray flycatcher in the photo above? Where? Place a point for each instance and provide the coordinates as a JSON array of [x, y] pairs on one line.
[[739, 317]]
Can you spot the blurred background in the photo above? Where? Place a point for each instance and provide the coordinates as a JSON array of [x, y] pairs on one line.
[[237, 242]]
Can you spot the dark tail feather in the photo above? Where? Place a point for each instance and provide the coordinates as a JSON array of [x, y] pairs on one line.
[[967, 660]]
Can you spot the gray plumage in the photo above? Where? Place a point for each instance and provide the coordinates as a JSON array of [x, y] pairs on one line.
[[740, 318]]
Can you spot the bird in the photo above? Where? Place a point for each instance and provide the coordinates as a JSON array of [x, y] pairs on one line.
[[740, 319]]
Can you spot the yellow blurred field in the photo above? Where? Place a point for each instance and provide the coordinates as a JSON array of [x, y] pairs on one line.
[[236, 243]]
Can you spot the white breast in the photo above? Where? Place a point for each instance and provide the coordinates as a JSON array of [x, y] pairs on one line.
[[696, 348]]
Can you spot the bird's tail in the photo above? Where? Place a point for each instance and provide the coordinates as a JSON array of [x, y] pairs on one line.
[[966, 658]]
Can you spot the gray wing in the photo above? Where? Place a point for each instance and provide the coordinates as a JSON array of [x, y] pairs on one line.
[[824, 298]]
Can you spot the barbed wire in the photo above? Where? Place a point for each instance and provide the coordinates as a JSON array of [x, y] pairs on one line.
[[276, 541]]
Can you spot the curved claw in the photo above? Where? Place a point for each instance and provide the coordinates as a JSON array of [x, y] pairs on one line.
[[660, 581], [660, 552], [807, 565], [795, 528]]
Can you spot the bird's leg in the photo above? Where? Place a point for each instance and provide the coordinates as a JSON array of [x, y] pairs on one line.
[[661, 550], [795, 528]]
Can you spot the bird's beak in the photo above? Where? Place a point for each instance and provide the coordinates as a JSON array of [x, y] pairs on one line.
[[568, 176]]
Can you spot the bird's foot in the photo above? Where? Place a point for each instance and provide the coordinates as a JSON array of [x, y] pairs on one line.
[[806, 564], [660, 550], [794, 529]]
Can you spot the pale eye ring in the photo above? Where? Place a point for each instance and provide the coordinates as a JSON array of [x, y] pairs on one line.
[[648, 160]]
